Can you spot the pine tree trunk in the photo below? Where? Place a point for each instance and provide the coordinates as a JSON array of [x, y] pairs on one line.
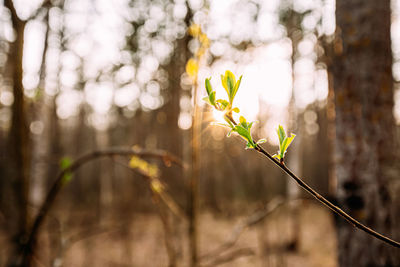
[[364, 141]]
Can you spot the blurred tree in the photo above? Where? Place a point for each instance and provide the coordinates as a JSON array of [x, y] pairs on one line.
[[365, 141], [18, 138], [18, 135]]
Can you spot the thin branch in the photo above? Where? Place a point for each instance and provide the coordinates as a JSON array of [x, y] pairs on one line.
[[92, 231], [164, 196], [326, 202], [240, 227], [59, 182], [320, 198], [170, 204], [231, 256]]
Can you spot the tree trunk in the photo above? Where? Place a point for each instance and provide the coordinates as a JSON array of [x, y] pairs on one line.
[[364, 142], [18, 139]]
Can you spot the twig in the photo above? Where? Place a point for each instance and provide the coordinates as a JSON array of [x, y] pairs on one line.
[[231, 256], [239, 228], [326, 202], [320, 198], [170, 204], [164, 196], [28, 248]]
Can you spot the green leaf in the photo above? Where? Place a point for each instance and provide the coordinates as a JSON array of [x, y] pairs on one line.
[[212, 98], [237, 110], [281, 134], [276, 156], [224, 104], [207, 99], [225, 84], [230, 81], [282, 148], [288, 141], [242, 131], [236, 88], [65, 163], [250, 125], [208, 86], [245, 133], [242, 121]]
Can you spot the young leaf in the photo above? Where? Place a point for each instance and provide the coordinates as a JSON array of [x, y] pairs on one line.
[[242, 121], [243, 132], [284, 142], [282, 148], [208, 86], [65, 163], [288, 140], [224, 84], [207, 99], [236, 88], [229, 82], [281, 134], [212, 98], [249, 125], [237, 110], [224, 104], [276, 156]]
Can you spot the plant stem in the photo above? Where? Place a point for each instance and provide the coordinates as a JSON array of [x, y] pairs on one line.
[[320, 198]]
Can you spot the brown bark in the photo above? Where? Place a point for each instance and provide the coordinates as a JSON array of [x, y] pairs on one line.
[[18, 139], [364, 141]]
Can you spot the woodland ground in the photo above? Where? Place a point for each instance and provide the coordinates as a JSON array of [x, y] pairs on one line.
[[139, 241]]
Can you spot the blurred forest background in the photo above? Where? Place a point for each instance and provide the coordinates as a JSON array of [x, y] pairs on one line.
[[85, 75]]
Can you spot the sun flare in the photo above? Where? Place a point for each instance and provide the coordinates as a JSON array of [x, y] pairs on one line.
[[218, 116]]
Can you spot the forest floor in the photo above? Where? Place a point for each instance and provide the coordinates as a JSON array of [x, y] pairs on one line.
[[140, 241]]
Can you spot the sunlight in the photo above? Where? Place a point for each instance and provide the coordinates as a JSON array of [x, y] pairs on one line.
[[218, 116]]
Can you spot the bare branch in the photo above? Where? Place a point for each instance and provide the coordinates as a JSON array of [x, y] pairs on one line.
[[28, 248], [326, 202], [231, 256], [164, 196], [240, 227]]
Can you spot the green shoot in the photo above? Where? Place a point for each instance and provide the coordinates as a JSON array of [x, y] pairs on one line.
[[284, 143], [243, 129], [65, 163], [231, 87]]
